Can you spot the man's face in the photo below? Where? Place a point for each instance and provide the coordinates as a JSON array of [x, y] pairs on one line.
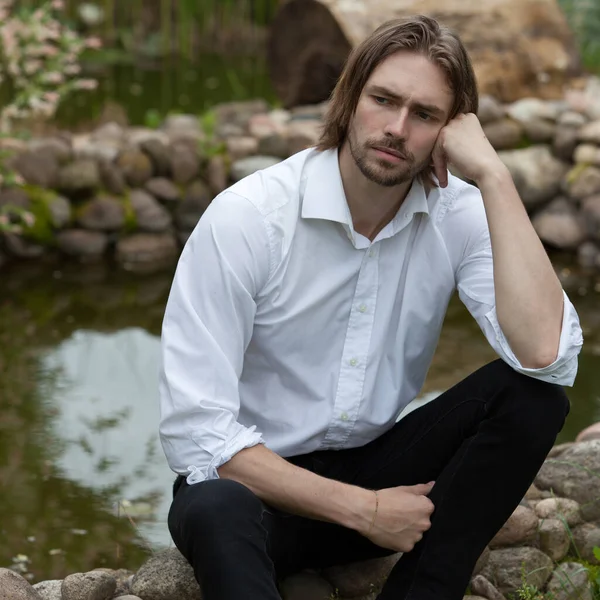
[[402, 108]]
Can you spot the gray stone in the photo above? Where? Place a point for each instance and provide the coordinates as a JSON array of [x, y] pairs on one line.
[[163, 189], [585, 538], [185, 163], [302, 134], [570, 118], [60, 211], [592, 432], [139, 136], [123, 577], [560, 229], [590, 211], [588, 256], [165, 576], [529, 109], [239, 113], [559, 508], [180, 123], [584, 182], [81, 243], [247, 166], [520, 528], [554, 538], [490, 110], [109, 132], [590, 132], [135, 166], [537, 174], [240, 147], [19, 247], [37, 168], [484, 588], [191, 208], [159, 155], [565, 142], [59, 147], [80, 176], [507, 568], [504, 135], [149, 214], [103, 213], [217, 174], [273, 145], [587, 154], [570, 581], [262, 126], [15, 587], [575, 474], [49, 590], [128, 597], [482, 561], [146, 252], [362, 577], [539, 131], [112, 178], [94, 585], [15, 197], [305, 586]]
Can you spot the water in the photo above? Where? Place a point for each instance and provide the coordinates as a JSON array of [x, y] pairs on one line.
[[83, 481]]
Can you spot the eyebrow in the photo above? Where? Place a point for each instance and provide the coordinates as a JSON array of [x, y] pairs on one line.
[[383, 91]]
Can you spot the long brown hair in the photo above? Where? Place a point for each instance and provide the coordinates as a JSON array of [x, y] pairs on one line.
[[420, 34]]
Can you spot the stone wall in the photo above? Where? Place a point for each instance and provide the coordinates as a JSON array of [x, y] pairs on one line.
[[135, 194]]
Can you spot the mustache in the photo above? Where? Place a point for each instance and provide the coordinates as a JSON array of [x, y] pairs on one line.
[[396, 145]]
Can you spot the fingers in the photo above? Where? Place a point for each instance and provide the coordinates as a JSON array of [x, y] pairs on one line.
[[421, 489], [439, 162]]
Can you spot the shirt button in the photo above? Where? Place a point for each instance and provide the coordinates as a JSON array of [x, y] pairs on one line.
[[353, 362], [371, 253], [362, 308], [344, 416]]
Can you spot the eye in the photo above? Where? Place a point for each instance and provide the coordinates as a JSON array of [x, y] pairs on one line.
[[424, 116], [380, 100]]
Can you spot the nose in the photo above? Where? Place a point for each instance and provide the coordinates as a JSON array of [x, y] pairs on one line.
[[398, 125]]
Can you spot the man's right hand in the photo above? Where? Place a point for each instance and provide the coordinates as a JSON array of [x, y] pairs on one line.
[[403, 515]]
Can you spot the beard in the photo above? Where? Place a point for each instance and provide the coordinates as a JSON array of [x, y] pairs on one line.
[[380, 171]]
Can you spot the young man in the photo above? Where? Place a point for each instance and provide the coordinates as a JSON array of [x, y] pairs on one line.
[[303, 317]]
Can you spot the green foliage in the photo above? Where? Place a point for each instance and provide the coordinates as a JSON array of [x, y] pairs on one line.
[[40, 230], [153, 119], [210, 145], [584, 19]]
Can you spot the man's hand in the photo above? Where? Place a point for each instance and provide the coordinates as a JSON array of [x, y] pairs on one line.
[[463, 143], [402, 517]]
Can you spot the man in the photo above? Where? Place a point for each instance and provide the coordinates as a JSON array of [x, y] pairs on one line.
[[303, 317]]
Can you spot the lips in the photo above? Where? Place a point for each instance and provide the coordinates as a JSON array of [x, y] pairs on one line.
[[390, 151]]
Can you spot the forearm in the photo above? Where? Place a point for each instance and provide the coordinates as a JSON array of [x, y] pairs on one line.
[[299, 491], [529, 298]]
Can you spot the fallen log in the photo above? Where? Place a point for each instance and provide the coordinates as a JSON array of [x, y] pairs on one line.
[[519, 48]]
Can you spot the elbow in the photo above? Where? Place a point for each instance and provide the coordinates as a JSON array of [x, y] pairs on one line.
[[540, 360]]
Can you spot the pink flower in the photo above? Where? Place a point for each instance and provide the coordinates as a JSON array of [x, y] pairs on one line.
[[28, 219], [57, 4], [53, 78], [86, 84], [93, 43]]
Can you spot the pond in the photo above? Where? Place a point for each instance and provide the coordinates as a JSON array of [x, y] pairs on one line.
[[83, 479]]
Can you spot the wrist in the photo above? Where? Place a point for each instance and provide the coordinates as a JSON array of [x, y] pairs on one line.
[[357, 509], [494, 175]]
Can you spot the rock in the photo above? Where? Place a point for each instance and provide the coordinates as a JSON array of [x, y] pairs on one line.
[[308, 46], [163, 189], [305, 586], [482, 587], [136, 167], [15, 587], [533, 493], [60, 211], [128, 597], [80, 176], [110, 132], [590, 132], [37, 168], [85, 147], [262, 125], [560, 226], [58, 147], [239, 114], [216, 175], [505, 134], [164, 576], [532, 109], [361, 578], [16, 197], [565, 142], [273, 145], [191, 208], [248, 166], [583, 182], [239, 147], [302, 134], [139, 136], [538, 131], [81, 243], [575, 474], [123, 578], [593, 431], [554, 538], [159, 155], [49, 590], [112, 177], [587, 100], [537, 174], [554, 452], [505, 568], [103, 213], [590, 212], [179, 127], [585, 538], [490, 110], [559, 508], [482, 561], [570, 581], [185, 163], [520, 528], [19, 247], [588, 256], [146, 252], [572, 119], [94, 585], [149, 214], [588, 154]]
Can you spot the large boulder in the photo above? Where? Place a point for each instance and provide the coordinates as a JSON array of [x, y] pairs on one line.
[[15, 587], [519, 48]]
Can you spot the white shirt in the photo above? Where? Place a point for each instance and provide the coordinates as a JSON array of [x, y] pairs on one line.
[[284, 326]]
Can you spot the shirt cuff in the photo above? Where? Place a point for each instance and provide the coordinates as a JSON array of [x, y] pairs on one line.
[[243, 438], [564, 369]]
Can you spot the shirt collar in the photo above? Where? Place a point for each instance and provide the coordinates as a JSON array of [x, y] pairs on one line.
[[324, 196]]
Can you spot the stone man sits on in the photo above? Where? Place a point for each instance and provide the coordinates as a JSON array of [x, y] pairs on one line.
[[302, 320]]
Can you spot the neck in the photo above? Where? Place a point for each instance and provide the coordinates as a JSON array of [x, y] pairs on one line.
[[372, 206]]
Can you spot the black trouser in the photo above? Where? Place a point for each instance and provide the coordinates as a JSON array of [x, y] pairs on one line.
[[483, 442]]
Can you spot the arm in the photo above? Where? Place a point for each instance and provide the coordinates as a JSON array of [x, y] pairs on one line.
[[528, 296]]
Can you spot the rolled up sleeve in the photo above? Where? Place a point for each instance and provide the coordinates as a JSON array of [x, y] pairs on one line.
[[207, 326]]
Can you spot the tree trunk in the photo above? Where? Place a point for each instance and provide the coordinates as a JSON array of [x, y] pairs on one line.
[[519, 48]]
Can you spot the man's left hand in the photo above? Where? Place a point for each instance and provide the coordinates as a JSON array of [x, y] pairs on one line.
[[463, 144]]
